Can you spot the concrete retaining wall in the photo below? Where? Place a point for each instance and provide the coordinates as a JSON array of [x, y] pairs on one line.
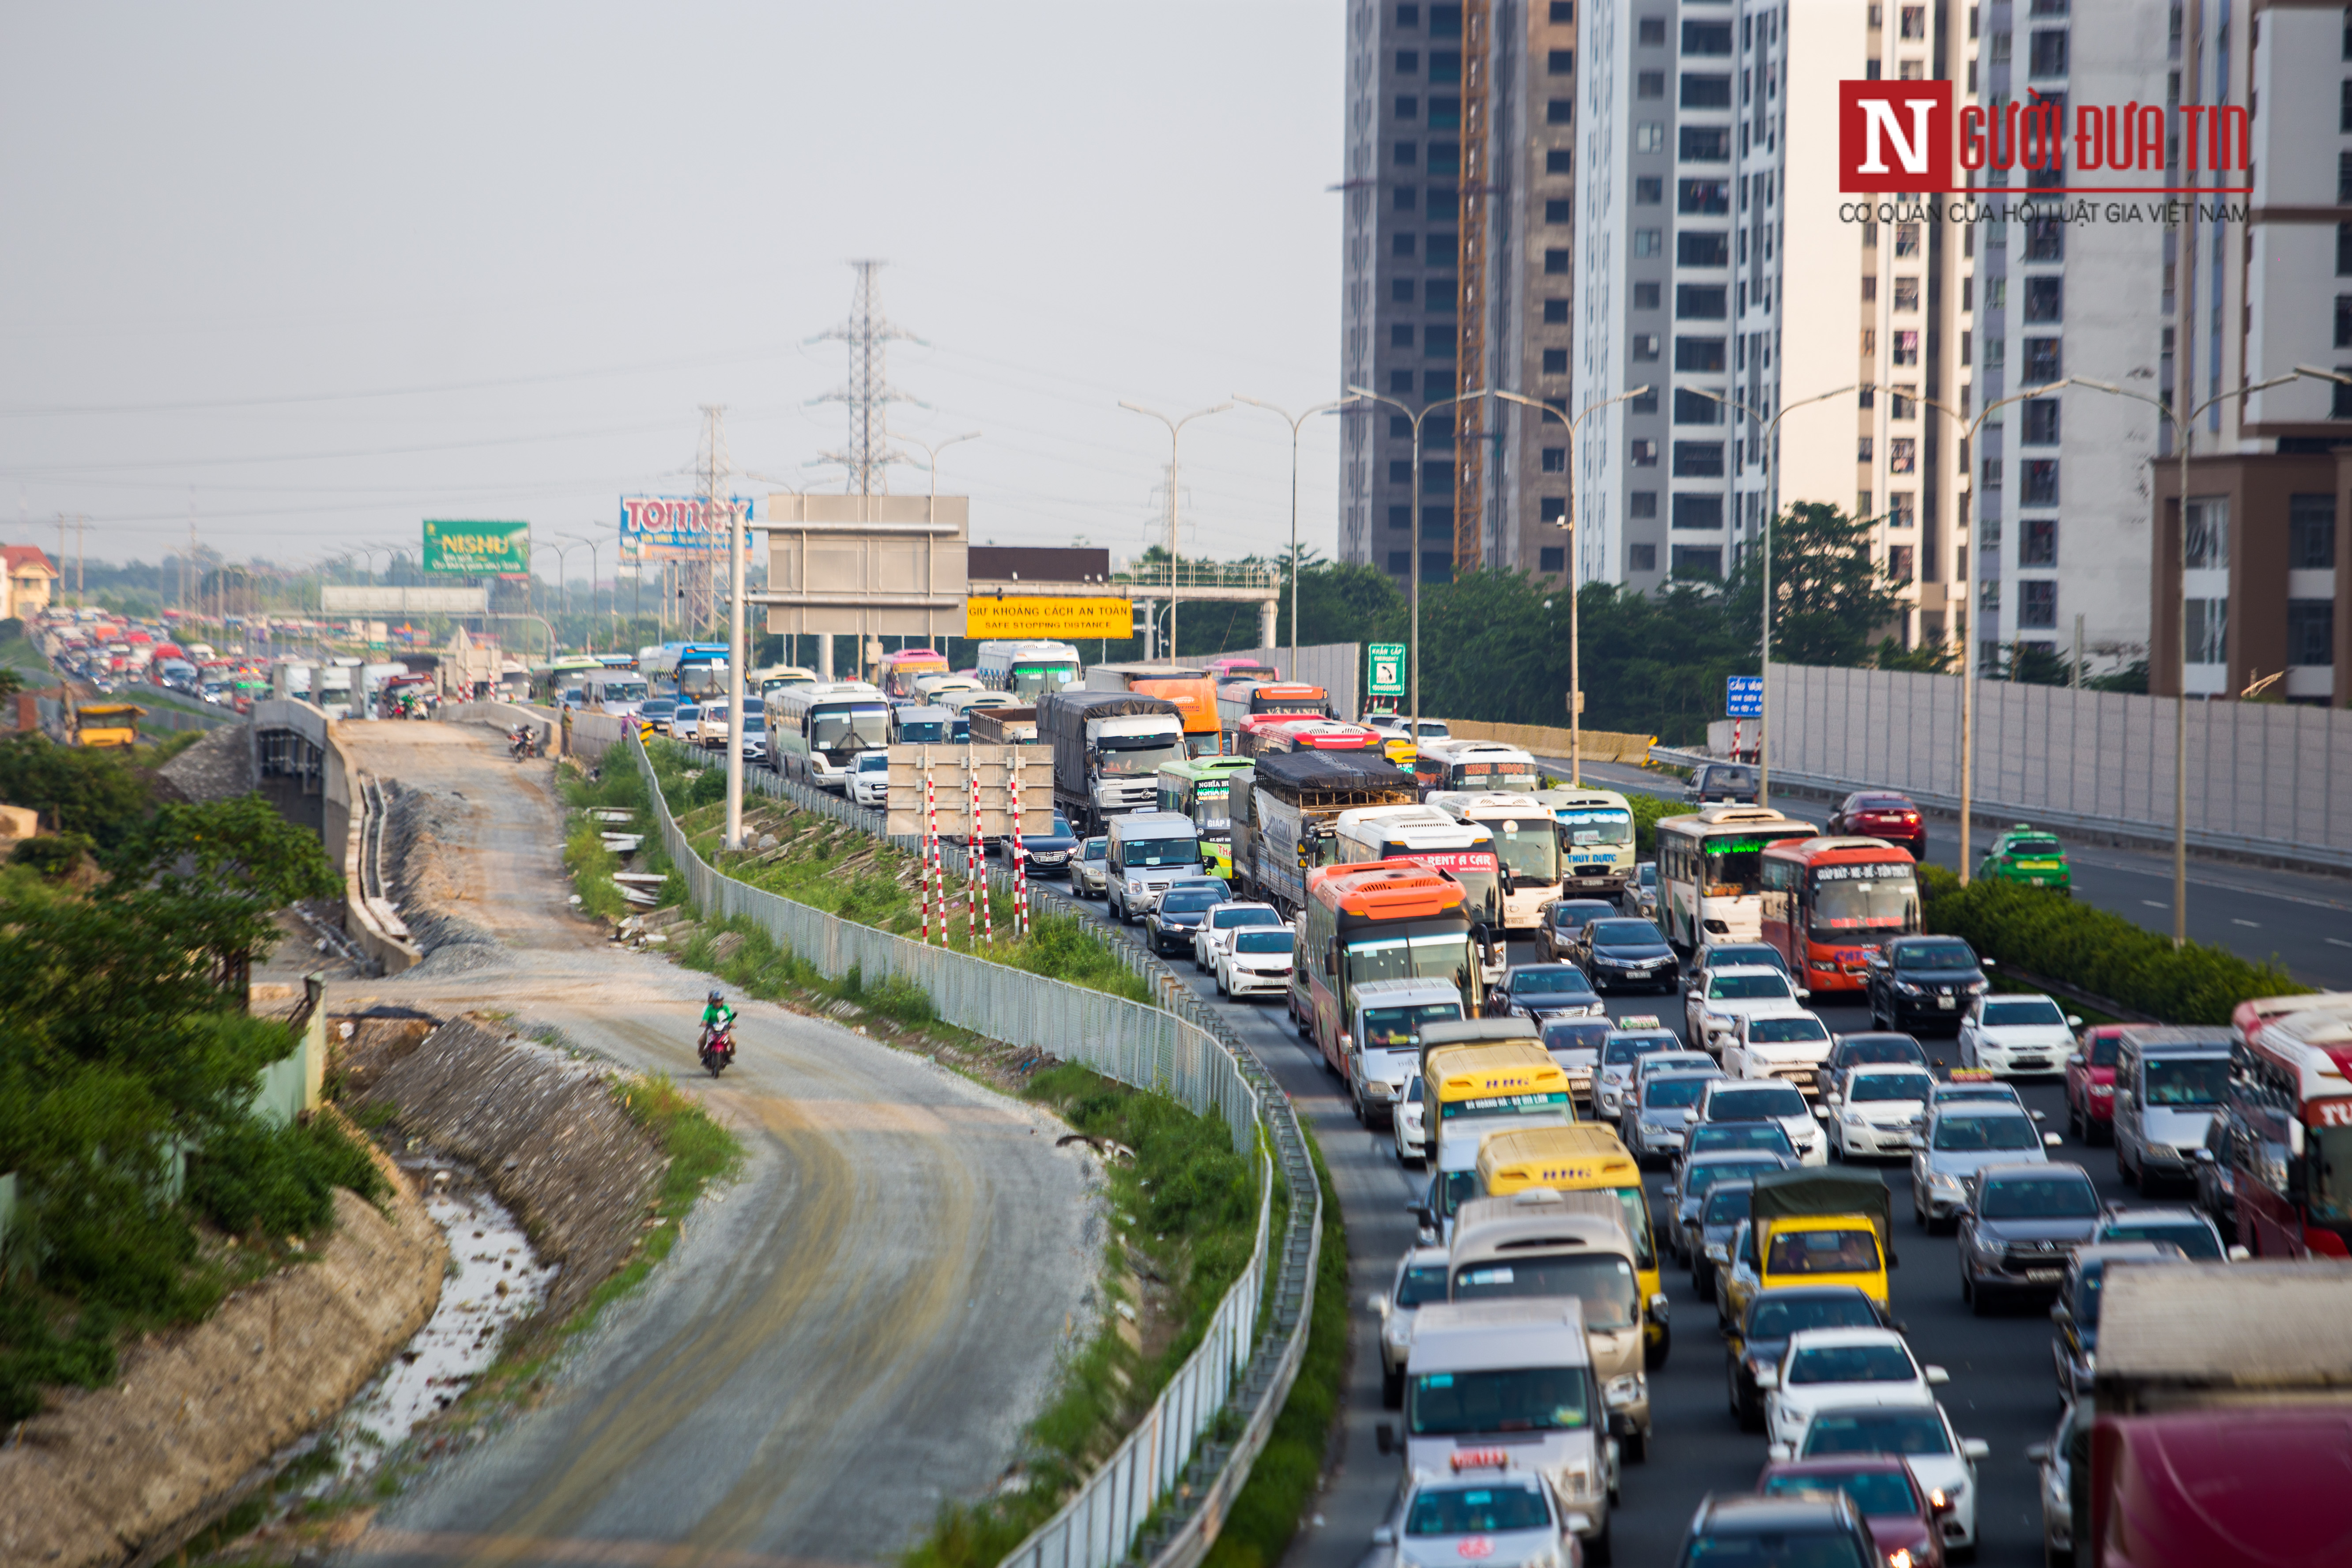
[[1543, 741]]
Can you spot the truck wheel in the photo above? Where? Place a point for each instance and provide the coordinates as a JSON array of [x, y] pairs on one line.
[[1636, 1449], [1391, 1388], [1653, 1356], [1597, 1550]]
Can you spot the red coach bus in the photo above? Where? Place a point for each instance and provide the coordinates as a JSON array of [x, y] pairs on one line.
[[2288, 1113], [1380, 919], [1829, 902], [1283, 735]]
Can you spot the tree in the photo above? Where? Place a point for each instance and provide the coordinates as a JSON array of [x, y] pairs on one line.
[[222, 868], [1339, 602], [1936, 657], [77, 789], [1829, 597], [2028, 664], [11, 683]]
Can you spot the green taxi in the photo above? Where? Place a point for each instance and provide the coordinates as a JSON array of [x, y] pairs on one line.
[[2028, 857]]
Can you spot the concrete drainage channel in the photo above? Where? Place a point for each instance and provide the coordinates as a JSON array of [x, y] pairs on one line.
[[1105, 1524]]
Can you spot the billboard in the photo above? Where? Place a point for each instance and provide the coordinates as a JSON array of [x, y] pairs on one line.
[[403, 600], [676, 528], [1048, 617], [477, 548]]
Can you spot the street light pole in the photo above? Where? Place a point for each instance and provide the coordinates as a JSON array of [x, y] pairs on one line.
[[596, 570], [1567, 522], [1295, 424], [1365, 395], [1175, 494]]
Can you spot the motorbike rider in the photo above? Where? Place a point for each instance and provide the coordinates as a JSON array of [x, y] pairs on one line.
[[718, 1017]]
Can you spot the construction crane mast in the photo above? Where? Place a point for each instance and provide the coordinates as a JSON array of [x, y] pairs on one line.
[[1470, 305]]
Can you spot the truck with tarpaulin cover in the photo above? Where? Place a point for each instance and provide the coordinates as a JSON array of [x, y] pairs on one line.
[[1820, 1225], [1281, 811], [1187, 685], [1107, 749]]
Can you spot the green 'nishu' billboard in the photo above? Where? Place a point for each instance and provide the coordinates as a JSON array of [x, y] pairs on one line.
[[477, 548]]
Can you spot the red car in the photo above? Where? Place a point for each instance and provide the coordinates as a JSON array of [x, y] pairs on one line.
[[2091, 1084], [1903, 1517], [1874, 814]]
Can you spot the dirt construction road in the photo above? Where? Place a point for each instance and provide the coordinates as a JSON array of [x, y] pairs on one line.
[[855, 1330]]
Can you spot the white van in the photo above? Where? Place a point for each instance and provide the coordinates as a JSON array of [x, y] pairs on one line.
[[1382, 1042], [1148, 851]]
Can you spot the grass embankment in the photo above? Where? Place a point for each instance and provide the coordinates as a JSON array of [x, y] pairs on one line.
[[1184, 1214]]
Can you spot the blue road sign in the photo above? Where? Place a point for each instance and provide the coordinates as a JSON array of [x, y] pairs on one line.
[[1743, 697]]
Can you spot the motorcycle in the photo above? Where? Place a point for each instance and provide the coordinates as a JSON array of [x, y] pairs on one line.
[[718, 1050], [522, 743]]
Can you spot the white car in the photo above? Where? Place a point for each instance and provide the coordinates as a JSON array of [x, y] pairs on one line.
[[1940, 1458], [1747, 1099], [712, 732], [1419, 1277], [1635, 1037], [2011, 1036], [1848, 1367], [1407, 1125], [1880, 1111], [686, 724], [1720, 998], [1214, 934], [1506, 1518], [869, 779], [1790, 1045], [1256, 961]]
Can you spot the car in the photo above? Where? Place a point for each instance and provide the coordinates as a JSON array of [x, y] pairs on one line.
[[1878, 1110], [1871, 1048], [1879, 814], [2012, 1036], [1728, 955], [1903, 1519], [1219, 923], [2217, 1191], [1913, 980], [1959, 1140], [2074, 1348], [1633, 1039], [1255, 961], [1816, 1530], [2029, 856], [686, 724], [1717, 998], [1748, 1137], [656, 711], [1408, 1124], [2091, 1083], [2053, 1471], [1090, 869], [1506, 1520], [1542, 991], [869, 778], [1721, 783], [1969, 1086], [1048, 853], [1576, 1044], [1169, 925], [1616, 953], [1560, 921], [1756, 1336], [1640, 894], [1659, 1109], [2022, 1222], [2169, 1086], [1420, 1277], [1747, 1099], [1696, 1176], [1786, 1047], [1850, 1367], [1922, 1436], [1726, 1209], [2169, 1225]]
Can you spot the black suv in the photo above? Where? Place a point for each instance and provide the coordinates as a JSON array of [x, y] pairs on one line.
[[1169, 925], [1760, 1336], [2023, 1223], [1915, 980], [1721, 783]]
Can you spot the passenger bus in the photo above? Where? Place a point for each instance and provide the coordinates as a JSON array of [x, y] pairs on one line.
[[898, 672], [1474, 765], [1028, 670], [1246, 696], [775, 678], [1264, 733], [1472, 1092], [1526, 846], [689, 672], [1202, 788], [1427, 836], [1582, 1159], [815, 733], [1187, 685], [1240, 667], [1596, 840], [1710, 871], [1380, 920], [1829, 902], [2288, 1115], [560, 682]]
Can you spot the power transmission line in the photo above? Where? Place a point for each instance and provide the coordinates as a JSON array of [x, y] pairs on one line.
[[867, 392]]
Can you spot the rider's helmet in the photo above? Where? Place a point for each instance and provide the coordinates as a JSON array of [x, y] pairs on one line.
[[714, 997]]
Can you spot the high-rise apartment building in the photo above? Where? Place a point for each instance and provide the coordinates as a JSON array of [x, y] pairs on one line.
[[1407, 302]]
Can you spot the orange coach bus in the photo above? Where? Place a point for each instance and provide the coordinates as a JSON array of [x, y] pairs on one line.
[[1380, 920], [1829, 902], [1272, 733]]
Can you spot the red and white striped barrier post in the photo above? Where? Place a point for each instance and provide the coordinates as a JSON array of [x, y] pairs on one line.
[[1020, 857], [980, 919], [923, 856]]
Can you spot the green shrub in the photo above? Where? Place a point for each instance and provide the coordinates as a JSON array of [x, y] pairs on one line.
[[34, 1354], [54, 855], [256, 1179], [591, 866]]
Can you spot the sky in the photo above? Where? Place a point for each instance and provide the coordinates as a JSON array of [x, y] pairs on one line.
[[311, 275]]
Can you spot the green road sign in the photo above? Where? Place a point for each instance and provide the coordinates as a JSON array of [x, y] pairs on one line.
[[475, 548], [1388, 670]]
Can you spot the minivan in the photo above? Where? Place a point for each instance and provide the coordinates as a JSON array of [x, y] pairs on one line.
[[2170, 1084]]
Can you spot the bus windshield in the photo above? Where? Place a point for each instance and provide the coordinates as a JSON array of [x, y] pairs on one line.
[[1029, 679], [1395, 1028], [1604, 1281], [922, 732], [846, 726], [1734, 865], [1530, 848], [1861, 897], [1599, 825], [1421, 949]]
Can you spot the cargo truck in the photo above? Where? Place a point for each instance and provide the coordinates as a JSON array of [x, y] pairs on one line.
[[1283, 810], [1187, 685], [1108, 748]]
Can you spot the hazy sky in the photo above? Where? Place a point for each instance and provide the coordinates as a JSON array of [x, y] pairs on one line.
[[323, 271]]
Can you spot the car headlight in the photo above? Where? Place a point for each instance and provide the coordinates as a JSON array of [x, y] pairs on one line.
[[1133, 886], [1718, 1021], [1627, 1390], [1573, 1480], [1909, 989], [1718, 1252], [1944, 1181], [1853, 1118]]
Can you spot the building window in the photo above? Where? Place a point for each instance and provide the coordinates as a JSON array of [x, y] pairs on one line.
[[1646, 241], [2344, 107], [1437, 295], [2040, 422], [1698, 354], [1555, 460], [2049, 53], [1652, 31], [1446, 65], [1437, 343], [2344, 168], [2209, 534], [1991, 477], [1445, 157], [1862, 503], [1446, 21], [1403, 202], [1700, 301], [2209, 631], [1437, 565], [1401, 290], [1560, 161], [1646, 296], [1400, 562], [1903, 400], [1649, 84], [1563, 11], [1707, 198], [1645, 346], [2043, 362], [2045, 241], [1405, 154], [2343, 321], [1906, 293], [2311, 631], [2311, 533], [1408, 107], [1915, 22], [1899, 567], [1698, 459], [1445, 205], [1695, 408], [1408, 62], [1899, 510], [1863, 449], [1901, 455], [2037, 603], [1703, 247], [1642, 558], [2037, 541], [1556, 262], [2038, 481], [1401, 381], [2341, 408], [1644, 453], [1400, 470], [1437, 479], [1702, 561], [1649, 190], [1647, 403], [1434, 385], [1444, 112], [1555, 362], [1650, 136], [2044, 299], [1440, 249], [1907, 347], [1642, 503], [1906, 240], [1559, 111], [1551, 558], [1401, 245], [1698, 511], [1400, 335], [1552, 508], [1559, 210], [1706, 37], [1400, 516], [1704, 143], [1408, 15], [1560, 62], [1399, 427], [1555, 312], [1707, 89]]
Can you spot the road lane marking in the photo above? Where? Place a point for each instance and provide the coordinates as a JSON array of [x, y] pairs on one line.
[[2256, 925], [2158, 903], [2339, 942]]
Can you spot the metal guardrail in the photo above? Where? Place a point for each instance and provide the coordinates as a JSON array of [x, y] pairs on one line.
[[1171, 1474]]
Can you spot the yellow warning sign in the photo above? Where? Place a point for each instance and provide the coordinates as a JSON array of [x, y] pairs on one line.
[[1047, 616]]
